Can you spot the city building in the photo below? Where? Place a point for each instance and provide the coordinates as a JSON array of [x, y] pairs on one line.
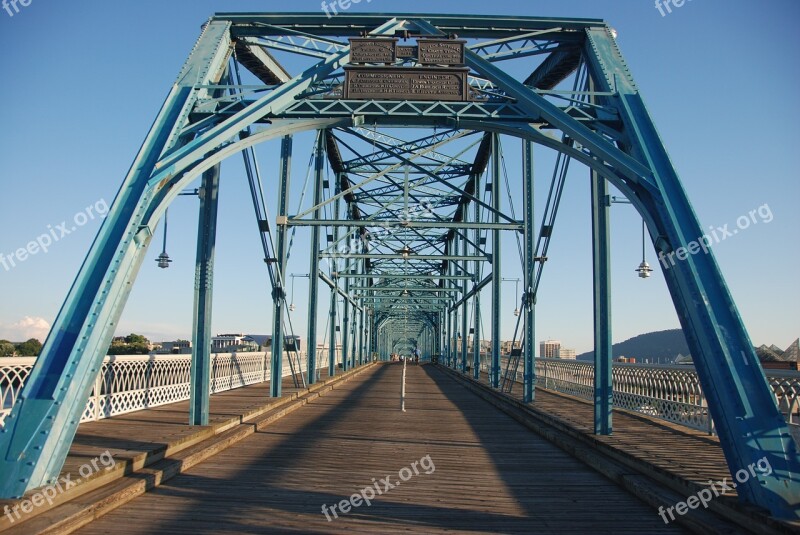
[[548, 349], [178, 347], [506, 345], [564, 353]]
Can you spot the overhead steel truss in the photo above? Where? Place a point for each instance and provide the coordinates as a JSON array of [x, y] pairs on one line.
[[402, 226]]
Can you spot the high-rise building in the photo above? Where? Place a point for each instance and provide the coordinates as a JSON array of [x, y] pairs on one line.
[[548, 349]]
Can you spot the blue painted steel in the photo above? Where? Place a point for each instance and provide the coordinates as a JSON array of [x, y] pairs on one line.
[[494, 373], [279, 291], [746, 417], [529, 308], [601, 264], [334, 291], [476, 298], [346, 353], [313, 279], [200, 385], [37, 434], [464, 310], [362, 332]]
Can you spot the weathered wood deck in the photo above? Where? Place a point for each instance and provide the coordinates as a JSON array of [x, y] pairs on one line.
[[491, 473]]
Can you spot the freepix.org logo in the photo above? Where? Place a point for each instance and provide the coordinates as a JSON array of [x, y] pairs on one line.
[[12, 6]]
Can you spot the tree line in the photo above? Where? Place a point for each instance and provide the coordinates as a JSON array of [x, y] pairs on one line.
[[29, 348], [133, 344]]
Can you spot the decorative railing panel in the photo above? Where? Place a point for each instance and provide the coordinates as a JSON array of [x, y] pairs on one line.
[[671, 393], [132, 383]]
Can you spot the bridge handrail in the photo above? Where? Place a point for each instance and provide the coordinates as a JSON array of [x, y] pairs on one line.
[[669, 392], [128, 383]]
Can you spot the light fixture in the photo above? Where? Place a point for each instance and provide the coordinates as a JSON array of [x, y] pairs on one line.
[[644, 268], [163, 259], [516, 292], [405, 251], [292, 306]]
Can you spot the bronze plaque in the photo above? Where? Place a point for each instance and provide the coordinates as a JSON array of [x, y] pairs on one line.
[[441, 51], [366, 50], [397, 83]]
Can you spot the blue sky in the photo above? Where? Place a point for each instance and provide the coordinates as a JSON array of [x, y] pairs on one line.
[[84, 79]]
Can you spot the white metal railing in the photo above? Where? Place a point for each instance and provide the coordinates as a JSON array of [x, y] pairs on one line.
[[672, 393], [136, 382]]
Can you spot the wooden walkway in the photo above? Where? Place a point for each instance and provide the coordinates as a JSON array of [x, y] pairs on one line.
[[488, 473]]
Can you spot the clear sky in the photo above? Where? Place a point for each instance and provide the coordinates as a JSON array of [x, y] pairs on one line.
[[83, 80]]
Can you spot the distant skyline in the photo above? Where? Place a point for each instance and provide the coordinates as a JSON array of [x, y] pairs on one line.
[[85, 79]]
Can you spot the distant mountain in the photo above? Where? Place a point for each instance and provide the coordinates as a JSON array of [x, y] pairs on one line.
[[659, 347]]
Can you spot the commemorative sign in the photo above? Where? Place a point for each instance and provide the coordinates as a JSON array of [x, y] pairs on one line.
[[440, 74]]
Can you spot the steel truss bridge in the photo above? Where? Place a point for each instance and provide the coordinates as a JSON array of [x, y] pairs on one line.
[[406, 201]]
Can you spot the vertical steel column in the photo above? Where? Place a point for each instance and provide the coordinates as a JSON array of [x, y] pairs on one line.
[[529, 366], [279, 292], [332, 342], [601, 263], [200, 387], [476, 299], [464, 308], [362, 335], [353, 338], [313, 278], [452, 359], [496, 275], [334, 290], [346, 353], [447, 339]]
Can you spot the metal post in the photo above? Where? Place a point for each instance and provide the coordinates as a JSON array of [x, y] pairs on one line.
[[335, 290], [529, 366], [346, 353], [313, 277], [476, 299], [451, 353], [279, 292], [464, 308], [200, 389], [362, 336], [403, 388], [603, 394], [496, 274]]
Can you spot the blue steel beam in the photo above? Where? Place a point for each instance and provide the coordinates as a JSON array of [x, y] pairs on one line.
[[39, 430], [279, 291], [200, 384], [346, 354], [464, 325], [494, 374], [313, 282], [476, 296], [747, 419], [529, 308], [601, 268]]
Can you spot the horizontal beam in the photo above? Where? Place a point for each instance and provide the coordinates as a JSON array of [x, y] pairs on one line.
[[435, 258], [354, 24], [294, 222], [384, 289], [432, 276]]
